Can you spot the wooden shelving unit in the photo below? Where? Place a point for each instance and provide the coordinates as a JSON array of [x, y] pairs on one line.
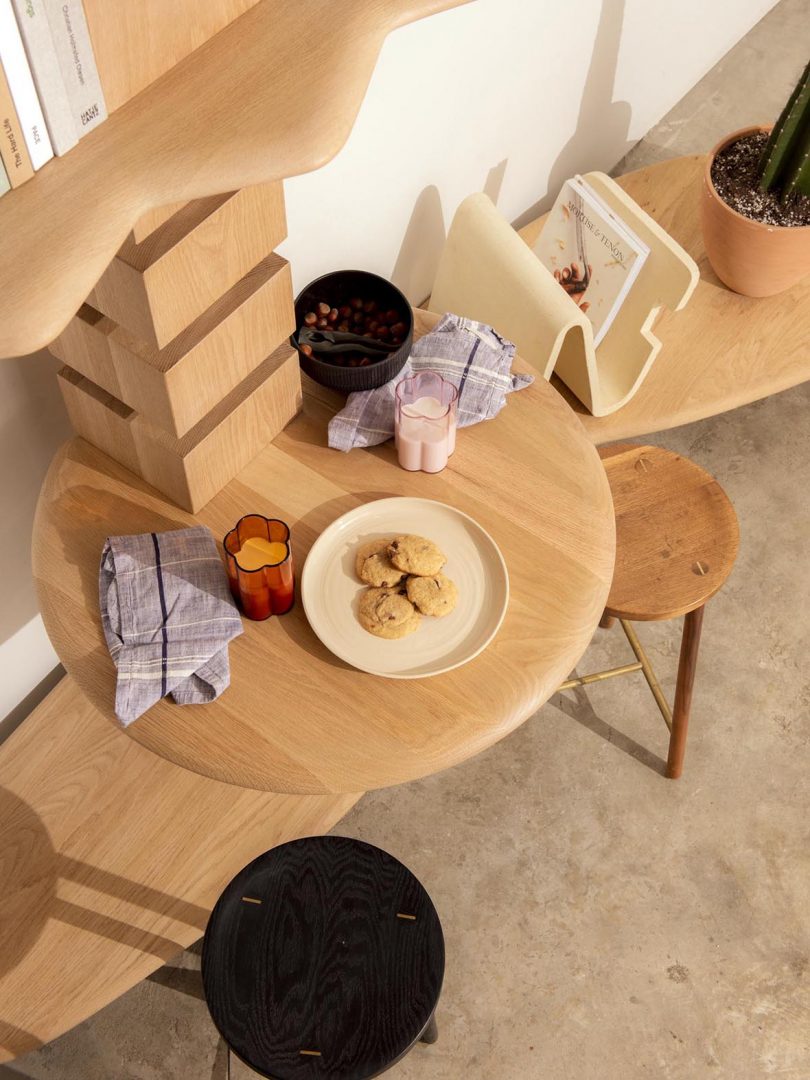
[[176, 363], [239, 110], [145, 259]]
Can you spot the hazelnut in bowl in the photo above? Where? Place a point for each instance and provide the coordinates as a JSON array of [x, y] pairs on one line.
[[354, 330]]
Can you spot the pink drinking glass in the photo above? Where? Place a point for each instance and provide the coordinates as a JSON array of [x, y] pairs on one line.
[[425, 421]]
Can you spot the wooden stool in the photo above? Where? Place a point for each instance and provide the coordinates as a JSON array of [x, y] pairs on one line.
[[323, 958], [676, 542]]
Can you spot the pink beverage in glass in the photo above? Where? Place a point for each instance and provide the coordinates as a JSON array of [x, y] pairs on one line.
[[425, 421]]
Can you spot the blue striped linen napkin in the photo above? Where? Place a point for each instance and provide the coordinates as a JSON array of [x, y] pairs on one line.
[[167, 615], [469, 354]]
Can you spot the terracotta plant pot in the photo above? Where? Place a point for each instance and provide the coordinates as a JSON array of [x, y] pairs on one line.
[[751, 258]]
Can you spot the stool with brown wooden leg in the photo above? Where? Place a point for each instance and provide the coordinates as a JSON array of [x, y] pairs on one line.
[[676, 542]]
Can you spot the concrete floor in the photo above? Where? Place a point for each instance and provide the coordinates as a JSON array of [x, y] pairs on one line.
[[601, 922]]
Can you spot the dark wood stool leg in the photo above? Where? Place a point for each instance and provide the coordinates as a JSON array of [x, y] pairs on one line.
[[607, 621], [431, 1032], [690, 643]]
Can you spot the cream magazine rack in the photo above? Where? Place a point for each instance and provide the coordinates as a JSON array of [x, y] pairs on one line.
[[487, 272]]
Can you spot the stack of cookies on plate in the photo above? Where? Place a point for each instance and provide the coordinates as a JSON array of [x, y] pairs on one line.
[[405, 582]]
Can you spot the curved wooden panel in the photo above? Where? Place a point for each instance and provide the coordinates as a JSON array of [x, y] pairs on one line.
[[295, 717], [263, 99]]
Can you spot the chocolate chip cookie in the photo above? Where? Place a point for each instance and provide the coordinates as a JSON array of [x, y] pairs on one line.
[[373, 565], [435, 595], [416, 555], [387, 613]]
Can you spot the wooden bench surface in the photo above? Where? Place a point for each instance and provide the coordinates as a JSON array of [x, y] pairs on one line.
[[110, 861]]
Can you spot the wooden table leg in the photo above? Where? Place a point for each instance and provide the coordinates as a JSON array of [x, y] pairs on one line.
[[431, 1032], [606, 621], [690, 642]]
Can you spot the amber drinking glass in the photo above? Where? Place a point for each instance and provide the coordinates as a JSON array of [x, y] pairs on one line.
[[260, 566]]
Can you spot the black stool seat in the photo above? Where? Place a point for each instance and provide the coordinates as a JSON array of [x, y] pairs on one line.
[[323, 958]]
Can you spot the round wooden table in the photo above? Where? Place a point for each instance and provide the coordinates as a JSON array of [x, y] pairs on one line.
[[295, 718]]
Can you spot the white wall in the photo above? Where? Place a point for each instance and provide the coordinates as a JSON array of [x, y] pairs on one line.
[[32, 424], [507, 96]]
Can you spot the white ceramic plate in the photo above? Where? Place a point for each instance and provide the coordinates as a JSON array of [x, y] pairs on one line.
[[330, 590]]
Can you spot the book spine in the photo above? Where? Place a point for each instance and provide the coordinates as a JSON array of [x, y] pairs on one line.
[[77, 62], [23, 91], [36, 35], [13, 150], [5, 183]]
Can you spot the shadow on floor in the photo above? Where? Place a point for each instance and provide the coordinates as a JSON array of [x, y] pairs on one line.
[[581, 710]]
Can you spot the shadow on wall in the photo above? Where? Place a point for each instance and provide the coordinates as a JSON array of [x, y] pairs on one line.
[[600, 138], [13, 719], [598, 142], [418, 259], [33, 422]]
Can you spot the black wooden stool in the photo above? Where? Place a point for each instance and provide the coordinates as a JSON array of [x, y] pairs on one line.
[[324, 959]]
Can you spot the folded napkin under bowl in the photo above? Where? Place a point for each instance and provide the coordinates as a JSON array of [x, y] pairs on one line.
[[470, 355]]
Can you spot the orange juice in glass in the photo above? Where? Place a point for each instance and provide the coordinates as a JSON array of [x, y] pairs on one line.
[[260, 566]]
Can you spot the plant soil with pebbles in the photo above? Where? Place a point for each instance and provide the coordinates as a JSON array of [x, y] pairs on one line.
[[736, 180]]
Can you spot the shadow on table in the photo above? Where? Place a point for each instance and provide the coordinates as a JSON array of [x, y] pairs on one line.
[[33, 868]]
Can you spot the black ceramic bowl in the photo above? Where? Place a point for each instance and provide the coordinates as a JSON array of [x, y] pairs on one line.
[[336, 289]]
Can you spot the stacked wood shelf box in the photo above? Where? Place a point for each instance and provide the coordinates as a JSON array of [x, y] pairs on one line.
[[177, 385], [159, 286], [178, 365], [192, 469]]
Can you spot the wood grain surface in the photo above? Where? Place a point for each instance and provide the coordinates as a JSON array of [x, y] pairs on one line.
[[191, 469], [323, 958], [159, 287], [110, 861], [152, 219], [177, 386], [295, 718], [237, 111], [676, 533], [722, 350], [155, 36]]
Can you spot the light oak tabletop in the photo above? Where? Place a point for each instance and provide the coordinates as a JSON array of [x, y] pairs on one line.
[[297, 719]]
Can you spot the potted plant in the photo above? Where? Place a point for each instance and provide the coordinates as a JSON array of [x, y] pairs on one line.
[[755, 209]]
